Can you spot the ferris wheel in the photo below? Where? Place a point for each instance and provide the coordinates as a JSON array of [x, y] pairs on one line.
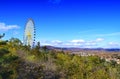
[[29, 33]]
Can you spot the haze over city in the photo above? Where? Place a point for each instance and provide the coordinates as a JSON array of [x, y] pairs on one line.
[[64, 23]]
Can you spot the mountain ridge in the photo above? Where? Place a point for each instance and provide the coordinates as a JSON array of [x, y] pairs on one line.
[[78, 49]]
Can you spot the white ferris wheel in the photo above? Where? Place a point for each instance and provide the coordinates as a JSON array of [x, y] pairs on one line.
[[29, 33]]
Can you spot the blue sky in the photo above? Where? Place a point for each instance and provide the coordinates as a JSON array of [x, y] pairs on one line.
[[64, 23]]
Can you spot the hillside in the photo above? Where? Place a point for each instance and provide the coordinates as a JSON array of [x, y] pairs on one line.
[[22, 62]]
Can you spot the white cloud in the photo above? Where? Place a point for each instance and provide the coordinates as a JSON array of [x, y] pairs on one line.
[[99, 39], [90, 44], [78, 41], [73, 43], [109, 34], [44, 42], [56, 41], [81, 43], [5, 27], [113, 45], [52, 43]]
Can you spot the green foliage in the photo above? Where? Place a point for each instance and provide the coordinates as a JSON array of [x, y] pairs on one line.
[[31, 58], [22, 62], [3, 42], [3, 51], [14, 42]]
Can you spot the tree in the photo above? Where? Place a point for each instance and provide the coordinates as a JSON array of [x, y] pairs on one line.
[[38, 45], [14, 42], [45, 48], [1, 36], [1, 41]]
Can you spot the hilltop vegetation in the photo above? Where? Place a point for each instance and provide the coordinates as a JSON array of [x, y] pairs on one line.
[[18, 61]]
